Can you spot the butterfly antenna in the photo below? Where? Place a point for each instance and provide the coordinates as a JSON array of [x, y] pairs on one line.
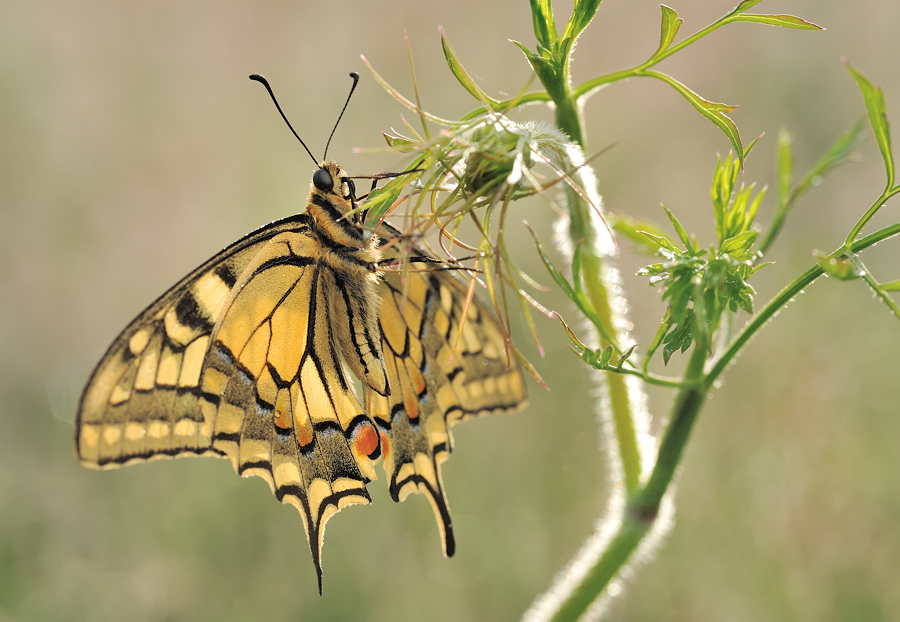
[[355, 77], [265, 83]]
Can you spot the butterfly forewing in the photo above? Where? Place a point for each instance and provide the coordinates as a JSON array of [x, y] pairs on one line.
[[248, 358], [144, 398]]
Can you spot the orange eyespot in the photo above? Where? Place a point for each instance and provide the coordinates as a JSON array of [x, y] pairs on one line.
[[282, 419], [365, 440]]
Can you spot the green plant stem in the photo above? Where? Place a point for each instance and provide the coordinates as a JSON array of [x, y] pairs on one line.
[[616, 554], [880, 292], [639, 70], [687, 406], [567, 119], [581, 232], [642, 502], [619, 402], [581, 228], [654, 379], [887, 194]]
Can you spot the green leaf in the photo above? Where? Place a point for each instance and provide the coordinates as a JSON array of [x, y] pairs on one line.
[[544, 25], [381, 199], [556, 274], [668, 29], [606, 356], [462, 75], [724, 281], [724, 178], [753, 208], [662, 242], [874, 98], [682, 234], [679, 294], [839, 152], [544, 67], [735, 216], [739, 242], [400, 143], [582, 14], [741, 296], [788, 21], [759, 266], [680, 338], [625, 355], [631, 228], [657, 340], [893, 286], [752, 144], [529, 55], [715, 112], [576, 342], [403, 100]]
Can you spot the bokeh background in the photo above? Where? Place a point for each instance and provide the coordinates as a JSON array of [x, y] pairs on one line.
[[133, 147]]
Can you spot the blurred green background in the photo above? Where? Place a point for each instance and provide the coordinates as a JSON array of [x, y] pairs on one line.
[[133, 147]]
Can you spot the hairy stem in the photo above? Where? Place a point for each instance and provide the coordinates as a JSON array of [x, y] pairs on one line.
[[687, 406], [581, 230], [616, 554], [598, 292], [591, 571]]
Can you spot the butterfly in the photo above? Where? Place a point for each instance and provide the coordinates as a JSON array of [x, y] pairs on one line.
[[252, 356]]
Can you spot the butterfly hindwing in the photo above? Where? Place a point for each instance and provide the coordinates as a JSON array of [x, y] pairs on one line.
[[445, 362], [284, 410]]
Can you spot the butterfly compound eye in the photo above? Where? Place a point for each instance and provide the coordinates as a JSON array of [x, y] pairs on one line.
[[322, 180]]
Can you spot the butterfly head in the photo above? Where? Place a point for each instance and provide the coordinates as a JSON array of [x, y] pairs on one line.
[[332, 195], [331, 183]]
